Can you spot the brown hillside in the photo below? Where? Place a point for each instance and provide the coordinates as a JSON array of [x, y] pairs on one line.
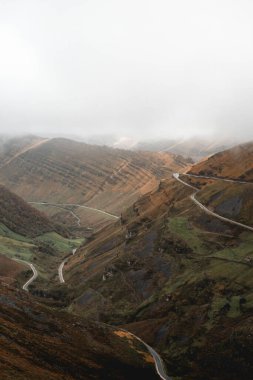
[[65, 171], [21, 218], [12, 147], [235, 163], [36, 343], [177, 277], [9, 269]]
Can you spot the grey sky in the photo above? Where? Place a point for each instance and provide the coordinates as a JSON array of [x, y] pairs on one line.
[[135, 67]]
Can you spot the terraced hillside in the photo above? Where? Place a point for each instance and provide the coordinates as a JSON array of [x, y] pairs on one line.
[[177, 277], [39, 343], [11, 147], [64, 171], [236, 163]]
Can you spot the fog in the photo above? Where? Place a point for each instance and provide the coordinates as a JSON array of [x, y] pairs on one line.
[[138, 68]]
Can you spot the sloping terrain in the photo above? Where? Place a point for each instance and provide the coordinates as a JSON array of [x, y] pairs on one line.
[[9, 270], [195, 148], [64, 171], [235, 163], [11, 147], [178, 278], [39, 343], [21, 218], [28, 235]]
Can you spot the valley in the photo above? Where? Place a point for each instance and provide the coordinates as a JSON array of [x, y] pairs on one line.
[[166, 263], [61, 171]]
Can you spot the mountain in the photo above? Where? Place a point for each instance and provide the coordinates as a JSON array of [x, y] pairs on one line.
[[20, 217], [11, 147], [39, 343], [174, 269], [65, 171], [235, 163], [195, 148], [176, 276]]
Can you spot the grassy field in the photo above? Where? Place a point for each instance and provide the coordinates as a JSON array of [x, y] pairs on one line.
[[182, 229], [58, 242]]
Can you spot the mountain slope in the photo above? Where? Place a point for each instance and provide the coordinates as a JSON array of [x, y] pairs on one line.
[[65, 171], [29, 236], [235, 163], [177, 277], [36, 342], [196, 148], [12, 147], [21, 218]]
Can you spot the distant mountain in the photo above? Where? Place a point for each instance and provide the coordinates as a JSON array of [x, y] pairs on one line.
[[236, 163], [196, 148], [65, 171], [11, 147]]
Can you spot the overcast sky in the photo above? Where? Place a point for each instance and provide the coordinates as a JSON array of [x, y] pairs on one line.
[[131, 67]]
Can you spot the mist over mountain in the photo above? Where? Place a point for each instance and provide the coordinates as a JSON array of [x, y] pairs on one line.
[[156, 69], [126, 190]]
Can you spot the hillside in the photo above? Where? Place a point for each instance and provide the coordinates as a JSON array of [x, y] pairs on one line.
[[64, 171], [50, 345], [11, 147], [195, 148], [21, 218], [235, 163], [9, 270], [178, 278], [28, 235]]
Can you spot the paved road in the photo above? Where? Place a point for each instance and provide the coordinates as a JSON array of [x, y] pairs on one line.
[[60, 269], [76, 205], [34, 276], [159, 364], [160, 367], [61, 278], [205, 209], [217, 178]]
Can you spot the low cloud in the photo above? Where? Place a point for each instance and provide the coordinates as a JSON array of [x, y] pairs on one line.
[[137, 68]]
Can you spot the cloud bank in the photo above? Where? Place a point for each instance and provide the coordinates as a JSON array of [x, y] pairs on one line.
[[143, 68]]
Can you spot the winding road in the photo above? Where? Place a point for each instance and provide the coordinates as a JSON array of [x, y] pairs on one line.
[[61, 278], [76, 205], [217, 178], [60, 269], [204, 208], [34, 276], [159, 364]]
